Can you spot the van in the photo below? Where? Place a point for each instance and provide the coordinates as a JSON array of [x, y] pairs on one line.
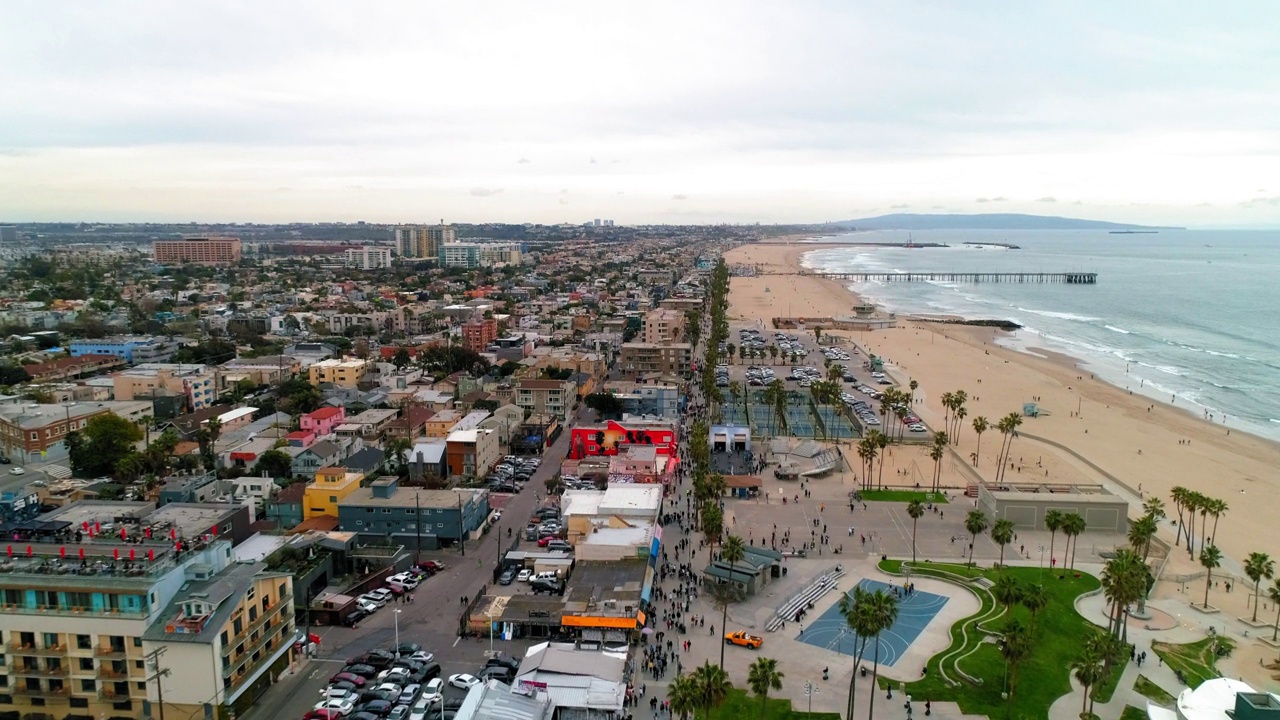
[[545, 586], [550, 575]]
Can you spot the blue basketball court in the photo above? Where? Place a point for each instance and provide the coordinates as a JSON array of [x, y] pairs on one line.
[[915, 611]]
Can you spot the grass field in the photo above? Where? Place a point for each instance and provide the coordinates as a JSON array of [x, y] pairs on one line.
[[1197, 661], [741, 706], [1042, 677], [1152, 691], [903, 496]]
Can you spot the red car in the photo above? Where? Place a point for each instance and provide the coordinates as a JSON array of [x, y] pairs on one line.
[[348, 677], [432, 566], [322, 715], [545, 540]]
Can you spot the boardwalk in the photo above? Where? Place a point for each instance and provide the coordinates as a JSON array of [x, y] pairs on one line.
[[1071, 278]]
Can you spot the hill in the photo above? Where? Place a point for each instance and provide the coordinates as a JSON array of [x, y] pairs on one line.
[[984, 221]]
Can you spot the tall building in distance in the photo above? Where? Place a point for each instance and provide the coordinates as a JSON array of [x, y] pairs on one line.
[[423, 241], [368, 257], [198, 250], [8, 234]]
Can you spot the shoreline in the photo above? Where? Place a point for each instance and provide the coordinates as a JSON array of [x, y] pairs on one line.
[[1113, 426]]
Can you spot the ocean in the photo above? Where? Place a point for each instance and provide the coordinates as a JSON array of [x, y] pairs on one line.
[[1186, 313]]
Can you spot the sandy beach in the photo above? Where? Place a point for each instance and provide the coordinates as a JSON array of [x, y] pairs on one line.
[[1127, 435]]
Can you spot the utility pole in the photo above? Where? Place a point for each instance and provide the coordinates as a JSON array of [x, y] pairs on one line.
[[153, 663], [417, 517], [462, 537]]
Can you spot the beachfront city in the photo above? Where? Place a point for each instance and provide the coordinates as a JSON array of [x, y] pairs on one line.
[[689, 362]]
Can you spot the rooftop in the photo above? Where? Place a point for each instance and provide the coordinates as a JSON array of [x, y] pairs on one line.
[[35, 415], [409, 497]]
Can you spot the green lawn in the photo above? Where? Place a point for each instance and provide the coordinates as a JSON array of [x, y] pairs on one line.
[[1042, 677], [1152, 691], [903, 496], [1133, 713], [1197, 660], [741, 706]]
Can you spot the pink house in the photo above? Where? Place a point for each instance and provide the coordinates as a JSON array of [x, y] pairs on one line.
[[301, 438], [324, 420]]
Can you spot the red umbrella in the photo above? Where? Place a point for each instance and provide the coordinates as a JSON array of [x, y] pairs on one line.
[[84, 525], [151, 555], [173, 533], [62, 551], [81, 553], [124, 534], [117, 553], [28, 551], [131, 554], [148, 532], [97, 527]]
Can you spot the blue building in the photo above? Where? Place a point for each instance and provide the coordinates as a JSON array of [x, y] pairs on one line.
[[133, 349], [386, 511]]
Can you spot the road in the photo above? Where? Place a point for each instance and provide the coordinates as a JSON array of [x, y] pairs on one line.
[[432, 619]]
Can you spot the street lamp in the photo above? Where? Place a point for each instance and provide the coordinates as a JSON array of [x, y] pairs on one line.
[[810, 690], [397, 621]]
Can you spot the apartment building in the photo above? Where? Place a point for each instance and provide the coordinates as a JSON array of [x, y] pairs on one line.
[[198, 250], [80, 642], [347, 372], [196, 383], [473, 255], [662, 326], [375, 321], [658, 399], [70, 368], [546, 397], [472, 453], [33, 431], [423, 241], [266, 370], [368, 257], [331, 486], [643, 358], [386, 510], [478, 333]]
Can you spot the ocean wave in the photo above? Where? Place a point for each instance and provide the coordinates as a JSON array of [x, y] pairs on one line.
[[1166, 369], [1122, 331], [1060, 315]]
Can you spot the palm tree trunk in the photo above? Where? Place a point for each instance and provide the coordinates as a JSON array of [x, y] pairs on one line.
[[914, 521], [1084, 704], [1215, 524], [1208, 580], [875, 672], [724, 620], [977, 453], [1255, 598], [1052, 536], [880, 475]]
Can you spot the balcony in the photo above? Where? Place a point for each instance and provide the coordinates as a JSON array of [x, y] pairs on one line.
[[60, 695], [22, 671], [29, 649], [107, 673], [271, 636], [285, 601], [107, 651]]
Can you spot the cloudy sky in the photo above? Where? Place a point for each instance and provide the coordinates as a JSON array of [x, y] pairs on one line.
[[642, 112]]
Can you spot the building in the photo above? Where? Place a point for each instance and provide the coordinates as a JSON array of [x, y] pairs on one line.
[[619, 506], [579, 683], [82, 641], [30, 432], [478, 333], [613, 437], [662, 326], [196, 383], [70, 368], [423, 242], [320, 455], [441, 424], [644, 358], [8, 234], [1219, 699], [323, 421], [472, 453], [546, 397], [267, 370], [1025, 503], [473, 255], [658, 399], [198, 250], [348, 372], [133, 349], [440, 517], [369, 257], [332, 485]]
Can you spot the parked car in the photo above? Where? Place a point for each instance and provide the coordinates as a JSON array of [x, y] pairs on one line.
[[743, 639], [507, 577], [464, 681], [433, 692], [364, 671], [343, 705], [525, 575], [348, 677]]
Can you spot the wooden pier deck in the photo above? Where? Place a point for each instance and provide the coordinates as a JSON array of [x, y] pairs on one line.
[[1071, 278]]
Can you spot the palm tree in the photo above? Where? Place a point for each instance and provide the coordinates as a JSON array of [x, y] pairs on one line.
[[1206, 505], [1089, 671], [763, 676], [958, 413], [1034, 598], [730, 347], [868, 448], [713, 685], [1053, 520], [398, 448], [712, 526], [948, 402], [1258, 566], [1217, 509], [1014, 647], [1179, 496], [684, 696], [882, 613], [980, 425], [936, 453], [853, 607], [1072, 526], [915, 510], [882, 442], [773, 354], [732, 553], [1273, 593], [1153, 507], [1140, 533], [1002, 534], [975, 522], [776, 395], [1006, 591], [1211, 559], [1125, 580], [914, 386]]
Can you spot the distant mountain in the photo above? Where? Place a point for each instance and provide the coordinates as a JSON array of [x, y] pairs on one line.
[[984, 221]]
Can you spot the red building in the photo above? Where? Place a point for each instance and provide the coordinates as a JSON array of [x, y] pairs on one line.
[[479, 333], [614, 438]]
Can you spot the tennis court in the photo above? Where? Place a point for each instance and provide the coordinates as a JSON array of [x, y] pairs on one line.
[[838, 426], [800, 422], [915, 611], [733, 412]]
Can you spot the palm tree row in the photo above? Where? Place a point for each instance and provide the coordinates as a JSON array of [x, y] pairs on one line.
[[1191, 502], [1126, 579], [1071, 525], [1099, 653], [953, 404], [867, 614], [1008, 427]]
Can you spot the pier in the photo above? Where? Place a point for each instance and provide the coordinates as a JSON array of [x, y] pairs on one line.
[[1071, 278]]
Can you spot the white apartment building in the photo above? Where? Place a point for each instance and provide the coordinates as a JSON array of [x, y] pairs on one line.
[[369, 258]]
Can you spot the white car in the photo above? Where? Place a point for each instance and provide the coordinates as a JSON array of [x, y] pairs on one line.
[[433, 692], [419, 711], [422, 656], [367, 605], [394, 675], [381, 596], [525, 575], [404, 579], [17, 471], [342, 706], [464, 681], [376, 601]]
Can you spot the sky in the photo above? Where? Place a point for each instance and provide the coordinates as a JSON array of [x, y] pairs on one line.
[[654, 112]]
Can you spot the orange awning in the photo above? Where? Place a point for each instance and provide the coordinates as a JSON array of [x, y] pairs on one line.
[[621, 623]]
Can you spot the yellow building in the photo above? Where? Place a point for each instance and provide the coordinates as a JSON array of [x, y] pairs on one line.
[[441, 424], [331, 486], [347, 372]]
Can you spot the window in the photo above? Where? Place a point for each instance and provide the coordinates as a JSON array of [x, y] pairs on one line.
[[84, 642], [88, 685], [86, 664], [137, 642]]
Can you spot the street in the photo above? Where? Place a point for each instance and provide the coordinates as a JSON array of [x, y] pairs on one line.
[[431, 620]]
